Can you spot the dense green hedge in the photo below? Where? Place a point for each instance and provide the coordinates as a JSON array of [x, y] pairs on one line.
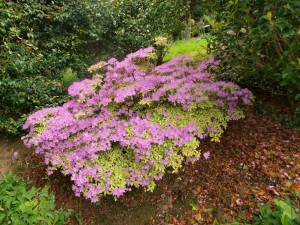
[[46, 39], [37, 38], [259, 44], [20, 97]]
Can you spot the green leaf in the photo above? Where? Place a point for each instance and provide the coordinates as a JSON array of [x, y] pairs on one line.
[[285, 220], [198, 217], [268, 16], [287, 209], [295, 3], [2, 216], [297, 97], [210, 209], [282, 24], [216, 222], [288, 71], [26, 206]]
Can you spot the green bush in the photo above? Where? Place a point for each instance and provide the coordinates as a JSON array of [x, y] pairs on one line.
[[258, 43], [20, 97], [37, 38], [20, 205]]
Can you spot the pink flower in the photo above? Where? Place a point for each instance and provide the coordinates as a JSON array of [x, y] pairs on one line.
[[206, 155], [15, 156], [118, 192], [165, 161]]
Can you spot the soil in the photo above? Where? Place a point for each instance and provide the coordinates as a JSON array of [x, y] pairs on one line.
[[257, 160], [8, 148]]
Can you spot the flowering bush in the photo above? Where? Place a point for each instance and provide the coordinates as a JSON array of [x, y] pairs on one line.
[[124, 129]]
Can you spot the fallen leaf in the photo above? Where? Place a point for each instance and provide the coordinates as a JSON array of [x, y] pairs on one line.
[[198, 217], [288, 183], [260, 192], [195, 207], [296, 187], [243, 215], [239, 202]]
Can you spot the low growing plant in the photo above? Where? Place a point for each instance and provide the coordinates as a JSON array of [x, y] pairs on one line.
[[20, 205], [123, 129], [283, 214]]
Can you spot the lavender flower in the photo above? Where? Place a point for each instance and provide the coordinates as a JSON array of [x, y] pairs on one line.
[[206, 155], [118, 192], [15, 156]]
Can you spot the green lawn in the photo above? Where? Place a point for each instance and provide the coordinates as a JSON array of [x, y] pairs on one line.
[[196, 47]]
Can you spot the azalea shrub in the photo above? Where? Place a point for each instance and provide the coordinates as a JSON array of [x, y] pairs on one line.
[[132, 121]]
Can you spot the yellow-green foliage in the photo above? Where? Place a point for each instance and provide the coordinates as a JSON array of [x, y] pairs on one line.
[[69, 76]]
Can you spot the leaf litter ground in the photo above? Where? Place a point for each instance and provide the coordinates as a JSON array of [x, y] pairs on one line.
[[256, 161]]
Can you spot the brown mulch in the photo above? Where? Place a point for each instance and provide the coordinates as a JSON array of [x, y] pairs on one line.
[[256, 161]]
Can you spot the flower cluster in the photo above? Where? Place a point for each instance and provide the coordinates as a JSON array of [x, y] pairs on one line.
[[125, 129]]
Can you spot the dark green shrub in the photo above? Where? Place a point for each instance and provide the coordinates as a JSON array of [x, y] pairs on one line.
[[258, 43], [20, 97], [20, 205], [38, 40], [37, 37]]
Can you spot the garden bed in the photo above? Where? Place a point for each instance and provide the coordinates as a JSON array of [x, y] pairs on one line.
[[256, 161]]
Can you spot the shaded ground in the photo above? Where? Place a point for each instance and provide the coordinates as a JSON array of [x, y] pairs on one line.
[[257, 160], [8, 148]]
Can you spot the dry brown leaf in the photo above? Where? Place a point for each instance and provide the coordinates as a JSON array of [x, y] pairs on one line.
[[296, 187], [239, 202]]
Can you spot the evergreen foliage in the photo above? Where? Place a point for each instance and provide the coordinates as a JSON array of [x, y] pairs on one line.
[[258, 43]]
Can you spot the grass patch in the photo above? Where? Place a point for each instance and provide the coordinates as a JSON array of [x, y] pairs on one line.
[[196, 47]]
